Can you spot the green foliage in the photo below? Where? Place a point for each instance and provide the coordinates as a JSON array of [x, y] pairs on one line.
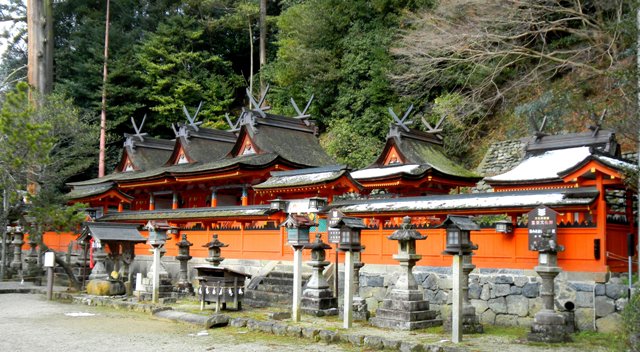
[[349, 146], [631, 323]]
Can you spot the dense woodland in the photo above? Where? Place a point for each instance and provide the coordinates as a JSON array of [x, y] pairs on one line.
[[489, 69]]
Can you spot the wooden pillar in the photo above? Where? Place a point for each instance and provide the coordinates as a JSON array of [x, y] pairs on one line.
[[601, 221], [152, 204], [245, 198], [174, 203], [120, 207], [214, 198]]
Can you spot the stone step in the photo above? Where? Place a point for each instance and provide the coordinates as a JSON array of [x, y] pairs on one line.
[[404, 325], [405, 305], [405, 315], [267, 299]]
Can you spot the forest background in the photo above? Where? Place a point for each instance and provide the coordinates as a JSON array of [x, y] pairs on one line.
[[489, 69]]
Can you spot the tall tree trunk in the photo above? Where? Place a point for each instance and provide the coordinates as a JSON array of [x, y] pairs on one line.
[[638, 112], [250, 60], [103, 113], [263, 42], [40, 45]]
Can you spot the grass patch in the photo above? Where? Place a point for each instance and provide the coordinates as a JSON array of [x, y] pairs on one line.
[[515, 332], [592, 339]]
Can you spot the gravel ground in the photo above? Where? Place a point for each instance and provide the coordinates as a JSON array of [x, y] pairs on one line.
[[30, 323]]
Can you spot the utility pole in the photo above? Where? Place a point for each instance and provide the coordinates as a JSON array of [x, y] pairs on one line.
[[40, 45], [263, 42], [103, 113]]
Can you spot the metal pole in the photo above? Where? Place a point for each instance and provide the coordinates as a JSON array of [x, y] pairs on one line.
[[456, 311], [297, 283], [348, 289]]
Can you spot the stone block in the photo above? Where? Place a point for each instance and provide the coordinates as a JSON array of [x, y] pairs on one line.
[[279, 329], [515, 290], [506, 320], [252, 324], [500, 290], [474, 291], [217, 321], [584, 319], [374, 342], [600, 290], [582, 286], [390, 344], [503, 279], [486, 292], [373, 281], [520, 281], [328, 336], [431, 282], [406, 346], [420, 276], [584, 299], [430, 295], [294, 331], [445, 283], [441, 297], [310, 333], [615, 291], [604, 306], [238, 322], [488, 317], [265, 326], [498, 305], [279, 315], [531, 290], [354, 339], [480, 305], [372, 303], [518, 305], [612, 323]]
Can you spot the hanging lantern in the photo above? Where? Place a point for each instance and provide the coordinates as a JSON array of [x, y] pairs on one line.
[[504, 226], [317, 203], [278, 204], [350, 228], [298, 229]]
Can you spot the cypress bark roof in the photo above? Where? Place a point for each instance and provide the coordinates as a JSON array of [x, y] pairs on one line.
[[202, 144], [190, 213], [145, 154]]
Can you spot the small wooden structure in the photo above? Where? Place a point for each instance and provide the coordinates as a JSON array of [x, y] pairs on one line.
[[220, 286]]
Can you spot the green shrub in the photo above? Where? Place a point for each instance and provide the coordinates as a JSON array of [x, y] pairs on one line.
[[631, 322]]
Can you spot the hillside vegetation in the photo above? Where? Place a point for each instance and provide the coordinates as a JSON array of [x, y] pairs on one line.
[[491, 68]]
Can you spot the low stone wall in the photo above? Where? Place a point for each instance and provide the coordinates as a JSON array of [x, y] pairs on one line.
[[509, 297], [500, 296]]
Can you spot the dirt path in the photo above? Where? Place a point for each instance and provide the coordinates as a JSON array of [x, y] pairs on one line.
[[30, 323]]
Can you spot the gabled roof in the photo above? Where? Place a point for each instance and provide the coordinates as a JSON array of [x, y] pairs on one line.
[[290, 138], [572, 197], [420, 148], [603, 141], [202, 144], [190, 214], [106, 232], [306, 177], [101, 190], [144, 153]]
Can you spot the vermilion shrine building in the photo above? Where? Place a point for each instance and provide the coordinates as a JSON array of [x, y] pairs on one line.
[[209, 181]]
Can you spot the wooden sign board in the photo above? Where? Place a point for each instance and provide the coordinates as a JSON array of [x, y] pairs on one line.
[[542, 228]]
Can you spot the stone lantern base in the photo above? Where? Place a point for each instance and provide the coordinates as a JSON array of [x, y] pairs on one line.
[[405, 311], [549, 326], [319, 302], [360, 311], [105, 287]]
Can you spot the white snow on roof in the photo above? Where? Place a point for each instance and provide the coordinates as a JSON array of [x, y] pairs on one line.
[[486, 200], [384, 171], [620, 164], [295, 180], [544, 166], [299, 206]]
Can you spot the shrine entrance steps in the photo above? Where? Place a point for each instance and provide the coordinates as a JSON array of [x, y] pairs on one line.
[[272, 290]]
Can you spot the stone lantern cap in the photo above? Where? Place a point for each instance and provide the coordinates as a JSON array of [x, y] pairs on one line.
[[184, 242], [215, 243], [317, 244], [406, 232]]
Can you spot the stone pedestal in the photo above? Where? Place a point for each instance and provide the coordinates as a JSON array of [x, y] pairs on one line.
[[183, 286], [33, 272], [548, 325], [405, 307], [165, 288], [99, 271], [18, 241], [317, 297], [470, 321]]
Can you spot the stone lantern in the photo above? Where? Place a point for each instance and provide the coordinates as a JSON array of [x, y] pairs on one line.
[[317, 298], [317, 203], [214, 250], [156, 239], [458, 245], [298, 227], [548, 325], [350, 228], [183, 284], [405, 307], [459, 234]]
